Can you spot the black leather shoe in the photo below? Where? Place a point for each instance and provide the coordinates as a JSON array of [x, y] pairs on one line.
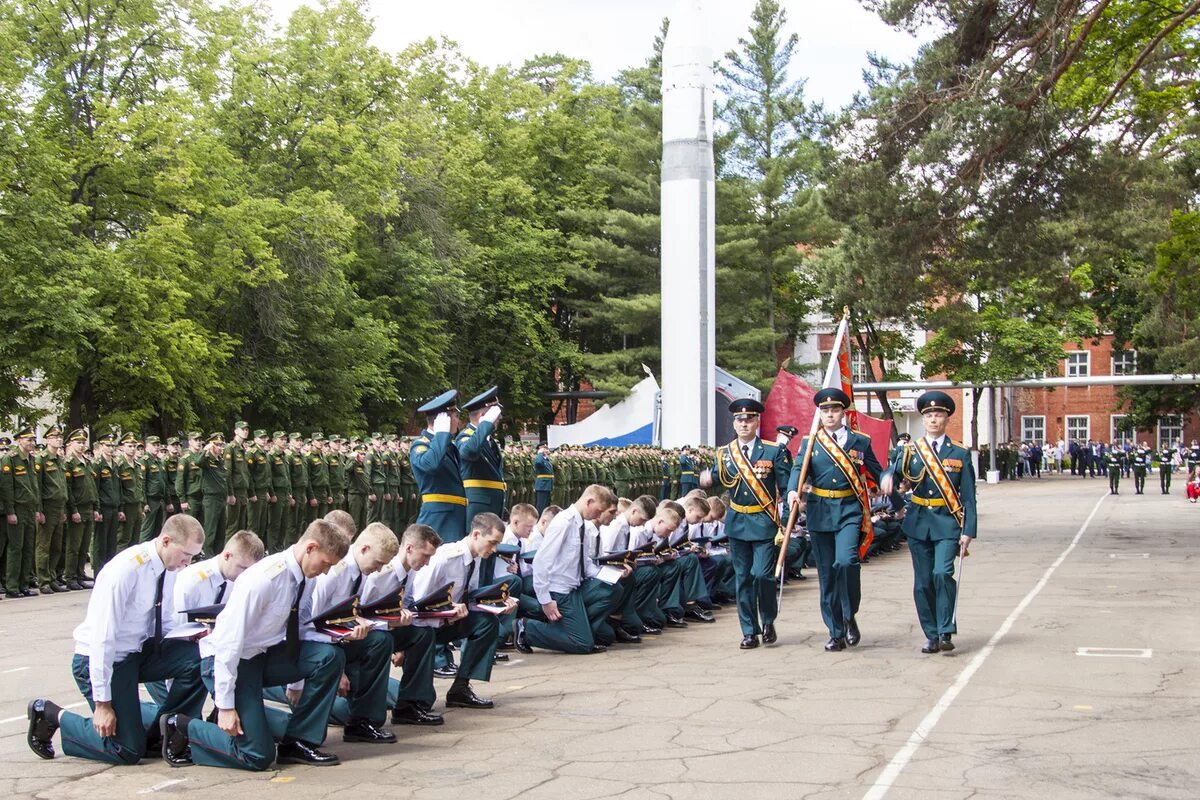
[[499, 657], [45, 590], [175, 748], [769, 634], [59, 586], [466, 698], [699, 614], [853, 637], [931, 646], [946, 644], [448, 671], [362, 730], [835, 644], [520, 640], [410, 714], [675, 622], [625, 637], [294, 751], [650, 630], [796, 575], [598, 648], [86, 583], [43, 722], [749, 642], [507, 644]]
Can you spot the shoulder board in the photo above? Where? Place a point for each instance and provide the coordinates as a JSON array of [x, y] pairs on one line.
[[864, 434], [201, 575], [338, 568], [386, 568], [769, 443], [456, 548], [420, 448], [276, 566]]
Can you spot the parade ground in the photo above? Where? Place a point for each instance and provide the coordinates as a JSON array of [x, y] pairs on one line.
[[1075, 677]]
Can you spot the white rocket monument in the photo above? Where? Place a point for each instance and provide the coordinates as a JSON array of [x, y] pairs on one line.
[[688, 232]]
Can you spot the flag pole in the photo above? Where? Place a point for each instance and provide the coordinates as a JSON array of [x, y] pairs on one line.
[[808, 450]]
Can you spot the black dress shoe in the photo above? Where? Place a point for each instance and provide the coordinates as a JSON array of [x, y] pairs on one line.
[[466, 698], [294, 751], [74, 587], [699, 614], [931, 646], [749, 642], [411, 714], [675, 622], [520, 640], [625, 637], [796, 575], [650, 630], [853, 637], [45, 590], [43, 722], [835, 644], [499, 657], [769, 634], [86, 583], [174, 740], [507, 644], [946, 644], [448, 671], [26, 593], [362, 730], [59, 586]]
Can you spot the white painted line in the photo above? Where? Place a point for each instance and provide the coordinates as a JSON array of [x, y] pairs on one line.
[[1114, 652], [899, 761], [156, 787], [513, 661], [25, 717], [1128, 555], [14, 669]]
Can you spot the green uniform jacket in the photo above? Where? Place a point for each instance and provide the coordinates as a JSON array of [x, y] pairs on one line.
[[336, 465], [318, 475], [81, 487], [261, 478], [108, 483], [299, 476], [20, 482], [214, 480], [155, 478], [171, 469], [757, 525], [237, 469], [281, 473], [827, 514], [543, 469], [54, 479], [929, 523], [130, 475], [357, 479]]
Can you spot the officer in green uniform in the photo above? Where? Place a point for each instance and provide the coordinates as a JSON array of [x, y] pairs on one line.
[[305, 500], [837, 507], [754, 472], [543, 474], [155, 488], [261, 485], [1166, 465], [480, 459], [335, 462], [52, 474], [187, 478], [238, 471], [435, 466], [280, 502], [376, 478], [21, 501], [108, 492], [1114, 462], [82, 510], [391, 481], [318, 478], [214, 491], [940, 520], [408, 488], [170, 462], [688, 479], [133, 495]]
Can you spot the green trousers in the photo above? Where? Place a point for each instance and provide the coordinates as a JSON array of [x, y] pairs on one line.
[[50, 542], [573, 634], [259, 516], [214, 523], [104, 545], [131, 527], [152, 520], [839, 575], [1139, 479], [754, 579], [21, 541], [277, 514], [237, 516], [479, 629], [320, 666], [79, 540], [358, 510], [934, 588], [1164, 478], [1114, 479]]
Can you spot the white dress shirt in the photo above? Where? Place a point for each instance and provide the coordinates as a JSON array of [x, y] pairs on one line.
[[527, 544], [198, 586], [255, 618], [449, 564], [343, 581], [639, 536], [717, 529], [120, 613], [556, 568], [386, 582], [614, 537], [936, 444]]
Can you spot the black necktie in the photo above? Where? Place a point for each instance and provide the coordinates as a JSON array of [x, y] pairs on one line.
[[158, 593], [746, 451], [467, 581], [581, 569], [354, 586], [220, 593], [293, 626]]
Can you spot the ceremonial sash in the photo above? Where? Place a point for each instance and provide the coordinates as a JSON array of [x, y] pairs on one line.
[[830, 446], [746, 473], [941, 479]]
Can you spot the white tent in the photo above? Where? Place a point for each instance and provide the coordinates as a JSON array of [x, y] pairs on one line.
[[630, 421]]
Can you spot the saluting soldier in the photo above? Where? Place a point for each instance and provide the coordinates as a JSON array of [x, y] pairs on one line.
[[238, 471], [50, 533], [108, 491], [155, 487], [543, 484], [481, 462], [214, 490], [940, 520], [83, 510], [21, 501], [1142, 457], [435, 466], [133, 495], [838, 511], [755, 472], [1114, 461]]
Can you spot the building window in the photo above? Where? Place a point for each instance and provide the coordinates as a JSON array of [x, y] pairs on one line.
[[825, 356], [1170, 430], [1079, 364], [1033, 429], [1124, 362], [858, 368], [1079, 429], [1122, 437]]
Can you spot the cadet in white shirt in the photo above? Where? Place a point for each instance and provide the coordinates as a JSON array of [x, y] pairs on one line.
[[208, 582], [119, 645], [517, 540], [638, 592], [572, 602], [255, 643], [458, 563], [412, 645]]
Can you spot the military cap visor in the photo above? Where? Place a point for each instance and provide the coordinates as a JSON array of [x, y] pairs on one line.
[[24, 433], [52, 431], [129, 438], [197, 435], [745, 406], [153, 440], [237, 426], [216, 438], [107, 438], [259, 433], [787, 430], [443, 402], [482, 400], [78, 435], [831, 396], [935, 401], [173, 440], [279, 435]]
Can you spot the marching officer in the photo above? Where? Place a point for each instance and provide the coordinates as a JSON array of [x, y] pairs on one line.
[[940, 520]]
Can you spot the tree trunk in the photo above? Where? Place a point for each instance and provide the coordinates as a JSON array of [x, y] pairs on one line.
[[82, 406]]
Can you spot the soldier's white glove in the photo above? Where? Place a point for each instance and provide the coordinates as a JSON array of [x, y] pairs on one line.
[[492, 414], [441, 423]]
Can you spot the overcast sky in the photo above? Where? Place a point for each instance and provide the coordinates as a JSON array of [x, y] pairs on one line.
[[835, 35]]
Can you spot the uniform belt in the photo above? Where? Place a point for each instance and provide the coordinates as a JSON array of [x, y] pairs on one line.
[[687, 472], [833, 494], [741, 509], [545, 476], [478, 484], [932, 502], [453, 499]]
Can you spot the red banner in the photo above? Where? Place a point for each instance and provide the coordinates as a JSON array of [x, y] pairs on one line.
[[790, 402]]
